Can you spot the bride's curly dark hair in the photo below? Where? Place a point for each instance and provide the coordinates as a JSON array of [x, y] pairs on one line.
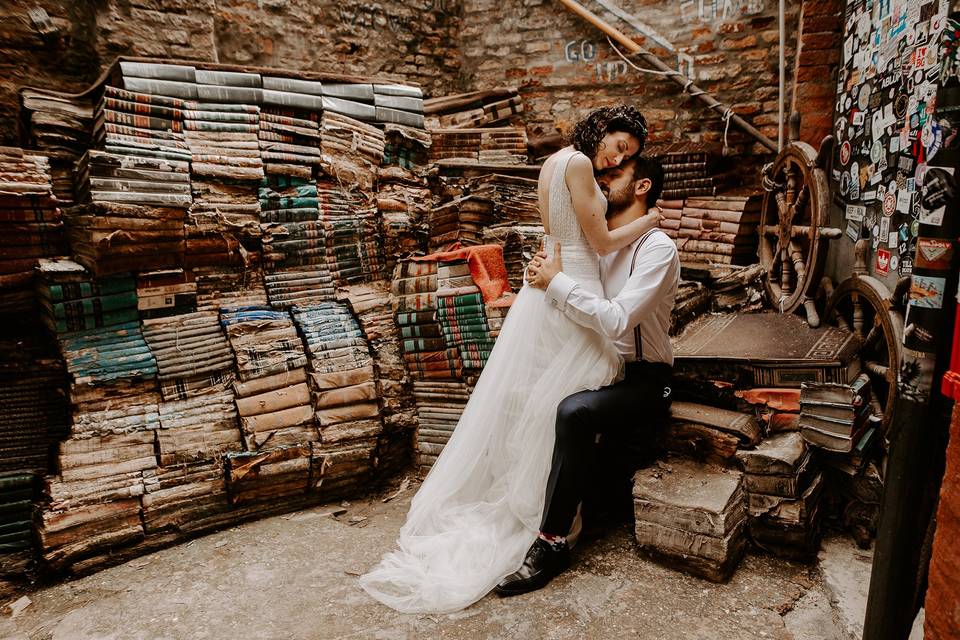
[[588, 133]]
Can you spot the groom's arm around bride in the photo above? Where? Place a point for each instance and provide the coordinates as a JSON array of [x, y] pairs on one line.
[[640, 282]]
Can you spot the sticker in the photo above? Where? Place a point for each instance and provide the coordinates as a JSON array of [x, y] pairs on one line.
[[889, 204], [875, 236], [934, 254], [845, 153], [917, 325], [916, 374], [863, 100], [853, 230], [844, 183], [883, 262], [927, 291], [893, 239], [856, 212], [894, 263], [884, 229], [904, 199], [854, 181], [906, 266], [914, 228], [938, 189]]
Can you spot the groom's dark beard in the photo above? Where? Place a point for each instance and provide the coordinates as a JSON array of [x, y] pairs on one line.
[[619, 200]]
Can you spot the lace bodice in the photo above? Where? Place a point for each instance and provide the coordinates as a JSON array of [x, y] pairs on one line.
[[580, 261]]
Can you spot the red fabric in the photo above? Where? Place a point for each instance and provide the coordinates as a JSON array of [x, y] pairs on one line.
[[487, 268]]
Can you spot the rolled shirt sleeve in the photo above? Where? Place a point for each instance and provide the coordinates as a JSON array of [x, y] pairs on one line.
[[655, 271]]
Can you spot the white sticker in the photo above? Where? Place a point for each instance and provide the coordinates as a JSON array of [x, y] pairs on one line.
[[893, 239], [884, 227], [904, 198], [894, 144], [856, 212]]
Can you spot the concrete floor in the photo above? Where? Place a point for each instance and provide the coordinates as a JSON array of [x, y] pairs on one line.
[[295, 577]]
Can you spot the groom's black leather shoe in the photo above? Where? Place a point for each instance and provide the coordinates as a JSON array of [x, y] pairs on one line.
[[542, 564]]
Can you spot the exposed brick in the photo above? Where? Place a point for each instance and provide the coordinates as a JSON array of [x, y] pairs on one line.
[[820, 41], [739, 43]]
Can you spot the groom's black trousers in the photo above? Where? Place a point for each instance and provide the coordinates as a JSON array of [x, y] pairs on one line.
[[626, 414]]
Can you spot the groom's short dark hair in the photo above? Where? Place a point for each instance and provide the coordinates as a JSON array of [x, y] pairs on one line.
[[651, 169]]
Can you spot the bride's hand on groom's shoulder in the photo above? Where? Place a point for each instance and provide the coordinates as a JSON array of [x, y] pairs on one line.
[[543, 268], [653, 218]]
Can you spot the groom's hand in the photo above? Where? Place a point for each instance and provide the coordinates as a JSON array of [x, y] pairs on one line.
[[542, 269]]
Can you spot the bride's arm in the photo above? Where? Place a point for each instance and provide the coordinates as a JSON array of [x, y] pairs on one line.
[[589, 206]]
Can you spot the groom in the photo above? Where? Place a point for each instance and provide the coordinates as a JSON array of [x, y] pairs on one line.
[[640, 282]]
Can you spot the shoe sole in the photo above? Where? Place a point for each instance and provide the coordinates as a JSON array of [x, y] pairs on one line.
[[507, 592]]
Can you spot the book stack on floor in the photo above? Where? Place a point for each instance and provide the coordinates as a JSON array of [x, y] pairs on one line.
[[474, 109], [350, 224], [272, 396], [18, 491], [440, 404], [289, 144], [104, 176], [59, 125], [342, 381], [462, 315], [707, 433], [30, 222], [192, 353], [198, 429], [720, 230], [279, 475], [691, 517], [689, 169], [520, 243], [836, 417], [33, 406], [783, 489], [425, 352], [181, 499], [345, 138], [371, 304], [455, 144], [296, 286], [692, 300], [405, 147], [128, 123]]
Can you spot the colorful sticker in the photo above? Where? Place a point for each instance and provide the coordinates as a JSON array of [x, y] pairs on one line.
[[927, 291], [883, 262], [916, 374], [934, 254]]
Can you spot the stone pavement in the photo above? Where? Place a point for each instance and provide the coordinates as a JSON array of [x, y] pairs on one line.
[[295, 577]]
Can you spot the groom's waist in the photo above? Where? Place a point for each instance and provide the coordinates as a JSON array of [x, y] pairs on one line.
[[647, 368]]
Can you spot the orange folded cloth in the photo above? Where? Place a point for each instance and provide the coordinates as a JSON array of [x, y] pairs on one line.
[[487, 269]]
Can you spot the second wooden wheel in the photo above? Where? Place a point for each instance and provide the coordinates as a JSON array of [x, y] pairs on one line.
[[792, 226], [863, 305]]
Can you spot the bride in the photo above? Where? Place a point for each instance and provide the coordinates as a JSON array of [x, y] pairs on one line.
[[479, 509]]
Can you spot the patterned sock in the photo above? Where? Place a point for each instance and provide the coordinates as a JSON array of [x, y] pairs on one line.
[[556, 542]]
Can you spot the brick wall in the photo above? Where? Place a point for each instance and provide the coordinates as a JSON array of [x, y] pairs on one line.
[[818, 55], [566, 67], [408, 40]]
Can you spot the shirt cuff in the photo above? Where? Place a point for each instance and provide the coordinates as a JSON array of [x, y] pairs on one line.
[[560, 288]]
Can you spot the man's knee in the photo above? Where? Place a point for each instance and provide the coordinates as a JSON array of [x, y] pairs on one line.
[[573, 414]]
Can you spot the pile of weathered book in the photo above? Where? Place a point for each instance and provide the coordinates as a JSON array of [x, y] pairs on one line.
[[500, 145], [475, 109], [690, 169], [718, 229]]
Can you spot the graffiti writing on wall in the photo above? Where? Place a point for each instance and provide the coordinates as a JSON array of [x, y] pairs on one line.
[[373, 15], [580, 51], [718, 10], [585, 52]]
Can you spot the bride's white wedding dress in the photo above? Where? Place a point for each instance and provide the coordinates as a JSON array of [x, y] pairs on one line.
[[479, 509]]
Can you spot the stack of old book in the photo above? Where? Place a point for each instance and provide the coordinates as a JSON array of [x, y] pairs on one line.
[[31, 225], [689, 168], [295, 286], [783, 489], [289, 144], [505, 145], [108, 237], [405, 147], [18, 492], [223, 140], [371, 304], [403, 203], [167, 292], [222, 224], [514, 197], [398, 104], [425, 351], [520, 243], [707, 433], [474, 109], [128, 123], [292, 235], [33, 404], [181, 499], [691, 517], [59, 125], [198, 428], [440, 403], [355, 100], [276, 475], [718, 230], [835, 417], [350, 230], [352, 150], [230, 288], [105, 176], [462, 315], [72, 302], [342, 380], [192, 353], [272, 397]]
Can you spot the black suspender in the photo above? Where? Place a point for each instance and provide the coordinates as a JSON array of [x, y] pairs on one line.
[[637, 334]]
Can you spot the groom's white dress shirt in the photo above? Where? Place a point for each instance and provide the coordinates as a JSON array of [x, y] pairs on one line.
[[635, 312]]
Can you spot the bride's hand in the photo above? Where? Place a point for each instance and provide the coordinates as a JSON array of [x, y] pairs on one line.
[[653, 219]]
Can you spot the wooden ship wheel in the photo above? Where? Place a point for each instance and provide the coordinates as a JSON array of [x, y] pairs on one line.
[[792, 223], [863, 305]]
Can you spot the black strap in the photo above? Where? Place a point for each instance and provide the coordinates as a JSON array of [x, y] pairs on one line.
[[637, 334]]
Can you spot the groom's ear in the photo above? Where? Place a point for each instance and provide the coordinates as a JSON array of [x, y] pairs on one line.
[[641, 187]]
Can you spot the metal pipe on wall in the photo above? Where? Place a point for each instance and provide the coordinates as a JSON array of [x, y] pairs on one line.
[[783, 72]]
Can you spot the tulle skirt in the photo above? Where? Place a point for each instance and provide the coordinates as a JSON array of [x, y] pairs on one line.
[[479, 509]]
